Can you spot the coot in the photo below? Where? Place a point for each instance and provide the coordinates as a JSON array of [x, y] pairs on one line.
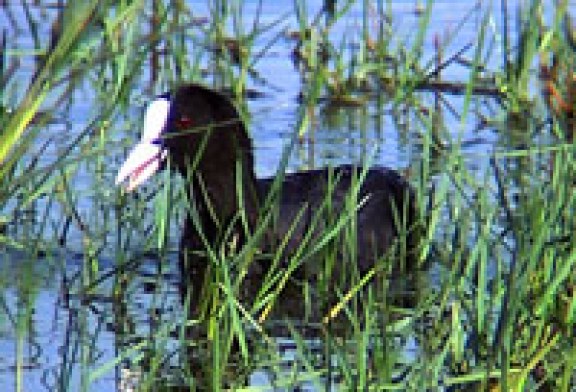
[[202, 134]]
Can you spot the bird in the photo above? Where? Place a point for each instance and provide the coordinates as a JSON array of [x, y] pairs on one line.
[[201, 133]]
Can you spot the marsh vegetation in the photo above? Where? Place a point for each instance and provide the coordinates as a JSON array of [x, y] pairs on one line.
[[473, 102]]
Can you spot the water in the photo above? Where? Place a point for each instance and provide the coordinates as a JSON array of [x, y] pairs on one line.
[[341, 134]]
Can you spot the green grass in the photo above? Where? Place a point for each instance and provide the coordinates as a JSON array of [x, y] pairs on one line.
[[497, 309]]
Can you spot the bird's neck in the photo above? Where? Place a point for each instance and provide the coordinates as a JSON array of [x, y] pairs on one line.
[[223, 194]]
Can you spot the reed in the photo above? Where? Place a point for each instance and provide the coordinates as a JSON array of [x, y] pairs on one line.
[[494, 307]]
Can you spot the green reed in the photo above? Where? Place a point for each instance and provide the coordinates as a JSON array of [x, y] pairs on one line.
[[498, 309]]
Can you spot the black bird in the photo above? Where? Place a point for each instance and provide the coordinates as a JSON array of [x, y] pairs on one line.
[[202, 134]]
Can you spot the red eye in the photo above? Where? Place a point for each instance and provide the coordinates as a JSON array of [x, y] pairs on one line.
[[184, 123]]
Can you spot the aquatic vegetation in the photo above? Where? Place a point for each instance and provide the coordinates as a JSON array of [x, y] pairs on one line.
[[475, 110]]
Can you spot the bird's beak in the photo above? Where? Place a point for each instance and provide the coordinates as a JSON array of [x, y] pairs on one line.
[[143, 161], [147, 156]]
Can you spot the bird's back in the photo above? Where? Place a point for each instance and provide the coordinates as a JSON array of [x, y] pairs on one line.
[[379, 204]]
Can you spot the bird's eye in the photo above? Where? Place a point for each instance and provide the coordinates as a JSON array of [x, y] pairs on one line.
[[184, 123], [156, 142]]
